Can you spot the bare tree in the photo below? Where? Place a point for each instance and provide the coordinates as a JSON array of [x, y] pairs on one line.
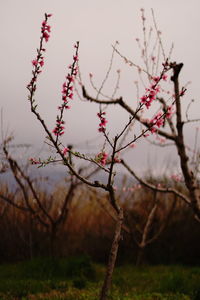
[[153, 223], [33, 202]]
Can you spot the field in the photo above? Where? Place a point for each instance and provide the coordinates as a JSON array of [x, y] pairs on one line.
[[79, 279]]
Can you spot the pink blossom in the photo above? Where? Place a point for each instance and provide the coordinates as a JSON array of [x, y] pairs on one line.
[[34, 62], [46, 36], [150, 94], [34, 161], [157, 120], [41, 63], [117, 159], [133, 145], [58, 132], [67, 94], [153, 129], [70, 78], [102, 124], [169, 112], [156, 78], [143, 98], [148, 104], [164, 77], [59, 128], [75, 57], [64, 90], [48, 28], [64, 98], [160, 122], [102, 157], [65, 150]]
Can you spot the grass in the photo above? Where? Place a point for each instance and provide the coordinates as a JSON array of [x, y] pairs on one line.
[[79, 279]]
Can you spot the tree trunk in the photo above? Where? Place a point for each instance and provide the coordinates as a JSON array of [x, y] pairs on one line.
[[52, 240], [112, 257], [140, 257]]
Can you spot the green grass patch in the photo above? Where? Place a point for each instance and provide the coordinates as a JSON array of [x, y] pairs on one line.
[[79, 279]]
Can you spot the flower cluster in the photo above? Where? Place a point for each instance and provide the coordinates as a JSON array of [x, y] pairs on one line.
[[46, 29], [38, 62], [67, 93], [65, 151], [117, 158], [67, 90], [169, 112], [157, 121], [102, 124], [34, 161], [101, 158], [152, 91], [59, 128]]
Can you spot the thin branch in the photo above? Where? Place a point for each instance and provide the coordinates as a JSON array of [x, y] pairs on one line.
[[155, 188], [164, 223], [9, 201]]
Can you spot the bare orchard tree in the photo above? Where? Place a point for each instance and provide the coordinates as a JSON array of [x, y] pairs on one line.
[[153, 220], [33, 202]]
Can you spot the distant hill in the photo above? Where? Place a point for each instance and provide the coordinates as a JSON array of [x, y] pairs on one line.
[[48, 177]]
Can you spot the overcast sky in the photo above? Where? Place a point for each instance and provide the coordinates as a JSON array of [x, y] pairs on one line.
[[97, 25]]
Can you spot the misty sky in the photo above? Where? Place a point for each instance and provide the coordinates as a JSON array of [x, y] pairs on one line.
[[97, 25]]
